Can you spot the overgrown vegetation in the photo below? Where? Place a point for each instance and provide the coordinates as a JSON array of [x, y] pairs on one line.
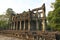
[[54, 17], [5, 20]]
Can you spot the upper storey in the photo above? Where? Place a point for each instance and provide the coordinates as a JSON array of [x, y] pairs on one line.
[[37, 13]]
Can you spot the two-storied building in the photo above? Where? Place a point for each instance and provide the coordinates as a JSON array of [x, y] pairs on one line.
[[34, 19]]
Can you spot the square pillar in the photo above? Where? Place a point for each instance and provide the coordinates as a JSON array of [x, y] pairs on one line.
[[24, 24], [43, 25], [11, 27], [37, 25], [28, 25], [20, 25], [44, 21], [16, 25]]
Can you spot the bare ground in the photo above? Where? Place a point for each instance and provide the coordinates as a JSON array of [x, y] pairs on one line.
[[8, 38]]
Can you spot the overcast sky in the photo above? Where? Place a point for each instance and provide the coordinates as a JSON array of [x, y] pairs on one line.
[[23, 5]]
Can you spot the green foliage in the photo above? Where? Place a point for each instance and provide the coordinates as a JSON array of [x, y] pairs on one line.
[[57, 5], [9, 11], [54, 17], [3, 24], [57, 0]]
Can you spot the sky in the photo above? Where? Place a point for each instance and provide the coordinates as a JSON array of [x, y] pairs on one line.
[[23, 5]]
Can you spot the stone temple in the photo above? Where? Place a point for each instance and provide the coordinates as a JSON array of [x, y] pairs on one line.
[[31, 20], [30, 25]]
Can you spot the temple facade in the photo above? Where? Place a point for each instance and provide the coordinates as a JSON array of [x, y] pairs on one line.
[[31, 20]]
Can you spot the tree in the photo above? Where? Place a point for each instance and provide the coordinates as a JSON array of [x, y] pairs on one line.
[[54, 16], [5, 20], [10, 13], [3, 24]]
